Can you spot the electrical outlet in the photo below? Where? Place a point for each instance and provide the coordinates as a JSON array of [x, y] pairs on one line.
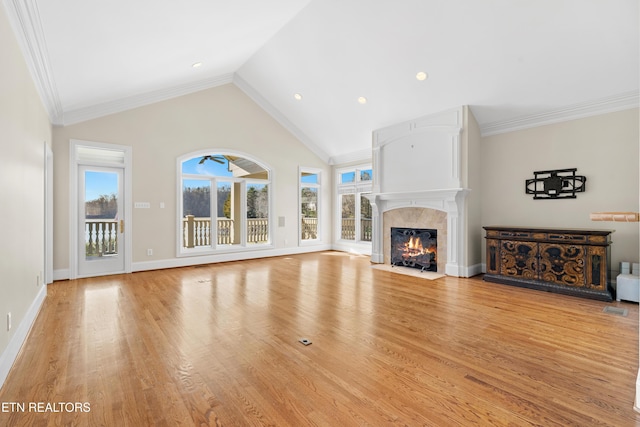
[[149, 252], [8, 321]]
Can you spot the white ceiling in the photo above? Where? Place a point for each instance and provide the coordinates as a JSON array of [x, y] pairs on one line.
[[516, 63]]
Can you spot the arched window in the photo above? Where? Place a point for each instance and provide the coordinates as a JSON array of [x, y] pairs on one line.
[[225, 202]]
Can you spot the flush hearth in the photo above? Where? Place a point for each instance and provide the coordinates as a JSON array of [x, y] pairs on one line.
[[415, 248]]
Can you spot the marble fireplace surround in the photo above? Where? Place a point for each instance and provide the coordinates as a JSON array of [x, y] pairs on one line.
[[416, 218], [442, 210]]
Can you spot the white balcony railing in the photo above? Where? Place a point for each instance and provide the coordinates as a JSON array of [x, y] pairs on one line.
[[197, 231], [101, 237], [309, 228], [348, 229]]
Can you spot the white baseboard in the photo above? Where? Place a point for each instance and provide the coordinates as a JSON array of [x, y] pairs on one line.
[[62, 274], [234, 256], [360, 249], [8, 357], [474, 270], [462, 271], [636, 403]]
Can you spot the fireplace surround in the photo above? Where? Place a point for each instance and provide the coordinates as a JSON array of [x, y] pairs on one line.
[[416, 217], [437, 209], [421, 171]]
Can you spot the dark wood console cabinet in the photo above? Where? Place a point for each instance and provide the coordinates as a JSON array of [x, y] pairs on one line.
[[572, 262]]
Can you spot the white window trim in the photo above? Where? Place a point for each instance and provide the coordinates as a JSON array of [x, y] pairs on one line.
[[301, 170], [214, 248], [358, 188]]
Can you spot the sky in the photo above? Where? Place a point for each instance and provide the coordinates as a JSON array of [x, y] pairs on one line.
[[97, 184]]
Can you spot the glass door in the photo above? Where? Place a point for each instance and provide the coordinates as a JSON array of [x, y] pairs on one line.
[[100, 221]]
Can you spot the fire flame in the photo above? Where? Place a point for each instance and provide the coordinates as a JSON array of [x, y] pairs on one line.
[[413, 247]]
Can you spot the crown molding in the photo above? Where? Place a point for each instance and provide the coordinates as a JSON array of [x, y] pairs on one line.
[[610, 104], [135, 101], [279, 117], [355, 156], [24, 18]]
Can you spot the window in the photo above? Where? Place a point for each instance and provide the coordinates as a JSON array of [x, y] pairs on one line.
[[309, 204], [355, 221], [225, 203]]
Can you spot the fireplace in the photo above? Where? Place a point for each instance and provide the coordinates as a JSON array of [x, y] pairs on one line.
[[415, 248], [449, 142]]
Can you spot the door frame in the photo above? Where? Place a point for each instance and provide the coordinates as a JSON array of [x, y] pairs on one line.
[[48, 215], [123, 160]]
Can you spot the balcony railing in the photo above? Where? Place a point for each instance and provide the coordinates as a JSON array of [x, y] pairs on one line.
[[101, 237], [348, 229], [309, 228], [197, 231]]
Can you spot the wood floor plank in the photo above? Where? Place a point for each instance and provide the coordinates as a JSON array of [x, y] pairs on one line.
[[219, 345]]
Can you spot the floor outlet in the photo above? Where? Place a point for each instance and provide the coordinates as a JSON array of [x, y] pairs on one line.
[[149, 252]]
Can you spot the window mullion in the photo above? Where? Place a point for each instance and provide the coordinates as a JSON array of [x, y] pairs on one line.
[[214, 213], [243, 213], [357, 216]]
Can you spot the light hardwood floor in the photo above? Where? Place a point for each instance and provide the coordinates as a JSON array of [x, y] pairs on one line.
[[218, 345]]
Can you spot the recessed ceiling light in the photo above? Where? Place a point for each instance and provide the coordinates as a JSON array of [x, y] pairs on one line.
[[422, 76], [197, 65], [362, 100], [297, 96]]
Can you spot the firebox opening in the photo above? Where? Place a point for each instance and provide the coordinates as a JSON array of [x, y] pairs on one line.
[[415, 248]]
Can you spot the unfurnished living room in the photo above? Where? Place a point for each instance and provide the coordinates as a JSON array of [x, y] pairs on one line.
[[291, 213]]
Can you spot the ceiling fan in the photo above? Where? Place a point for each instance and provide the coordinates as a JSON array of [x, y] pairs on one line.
[[218, 159]]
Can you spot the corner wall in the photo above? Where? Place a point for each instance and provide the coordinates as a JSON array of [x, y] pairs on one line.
[[603, 148]]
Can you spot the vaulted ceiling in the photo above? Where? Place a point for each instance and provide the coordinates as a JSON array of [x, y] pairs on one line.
[[515, 63]]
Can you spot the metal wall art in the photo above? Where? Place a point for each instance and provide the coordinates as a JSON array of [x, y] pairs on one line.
[[556, 184]]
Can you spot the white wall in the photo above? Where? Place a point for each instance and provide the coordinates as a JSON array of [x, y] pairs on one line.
[[603, 148], [222, 117], [24, 129]]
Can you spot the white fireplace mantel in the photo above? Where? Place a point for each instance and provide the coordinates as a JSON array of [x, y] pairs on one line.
[[424, 163], [449, 200]]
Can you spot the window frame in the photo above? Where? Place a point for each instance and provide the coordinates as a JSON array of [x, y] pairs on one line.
[[214, 247], [318, 186], [358, 188]]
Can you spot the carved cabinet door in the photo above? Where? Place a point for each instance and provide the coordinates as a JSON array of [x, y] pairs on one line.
[[562, 264], [597, 268], [493, 256], [519, 259]]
